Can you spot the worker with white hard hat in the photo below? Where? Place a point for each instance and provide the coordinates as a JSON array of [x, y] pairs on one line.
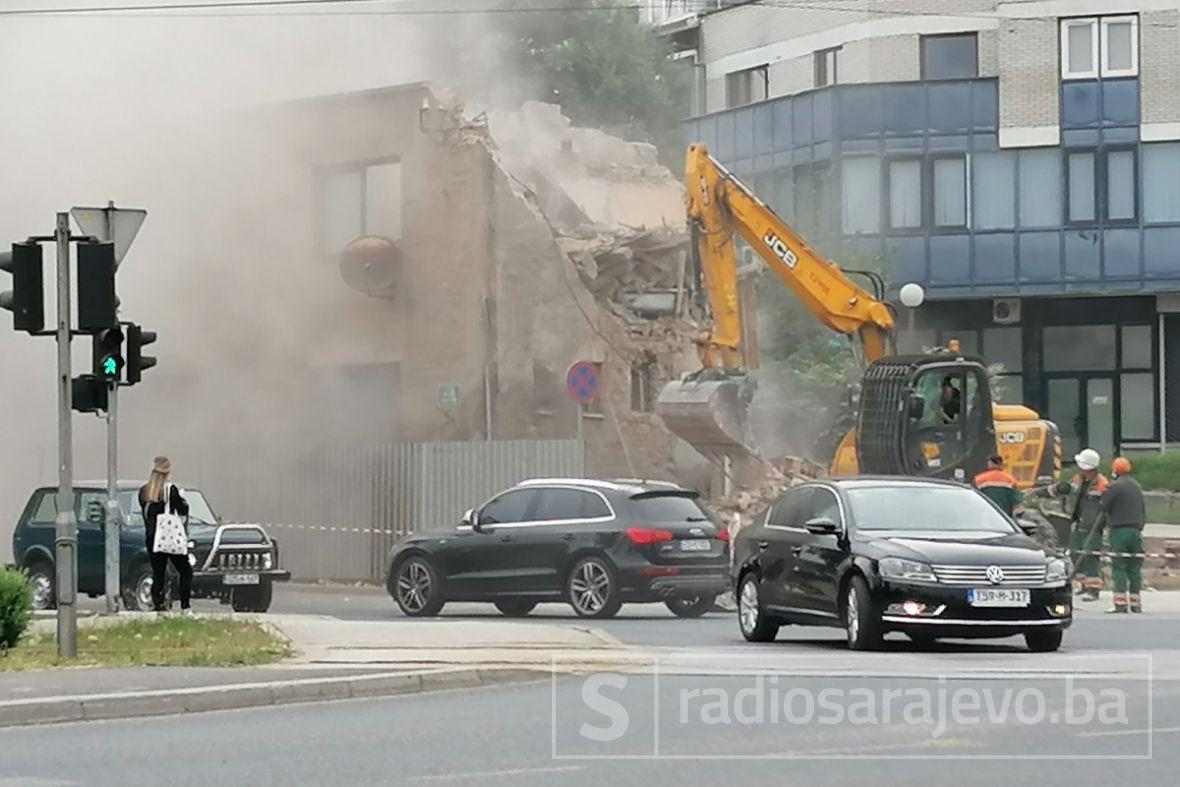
[[1083, 496]]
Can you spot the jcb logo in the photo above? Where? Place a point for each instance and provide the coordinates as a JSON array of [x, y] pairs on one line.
[[780, 249], [1011, 437]]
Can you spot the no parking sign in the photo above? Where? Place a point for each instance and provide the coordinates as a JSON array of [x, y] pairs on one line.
[[581, 382]]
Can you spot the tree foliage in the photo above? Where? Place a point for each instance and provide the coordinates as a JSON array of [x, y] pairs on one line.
[[602, 66]]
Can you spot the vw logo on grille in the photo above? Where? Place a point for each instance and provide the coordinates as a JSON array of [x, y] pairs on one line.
[[994, 574]]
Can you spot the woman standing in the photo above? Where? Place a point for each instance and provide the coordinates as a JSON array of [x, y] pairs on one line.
[[152, 498]]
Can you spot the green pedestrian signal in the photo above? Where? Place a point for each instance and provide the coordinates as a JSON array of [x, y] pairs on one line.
[[108, 354]]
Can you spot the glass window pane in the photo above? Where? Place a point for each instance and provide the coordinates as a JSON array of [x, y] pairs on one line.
[[1161, 173], [1120, 184], [1003, 346], [917, 341], [383, 200], [968, 339], [905, 193], [1079, 348], [1081, 47], [1008, 389], [949, 57], [784, 195], [1136, 346], [46, 511], [1040, 188], [343, 222], [508, 507], [861, 187], [1081, 187], [1138, 406], [1119, 46], [993, 190], [950, 192]]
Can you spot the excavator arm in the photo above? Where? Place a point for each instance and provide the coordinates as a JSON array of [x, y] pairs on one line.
[[709, 409], [719, 205]]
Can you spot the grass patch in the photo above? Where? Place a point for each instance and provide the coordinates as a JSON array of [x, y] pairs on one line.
[[169, 642]]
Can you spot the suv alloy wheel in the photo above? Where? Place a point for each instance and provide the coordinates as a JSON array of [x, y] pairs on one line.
[[418, 591], [592, 588]]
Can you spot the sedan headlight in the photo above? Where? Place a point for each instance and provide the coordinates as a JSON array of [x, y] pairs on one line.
[[1057, 570], [911, 570]]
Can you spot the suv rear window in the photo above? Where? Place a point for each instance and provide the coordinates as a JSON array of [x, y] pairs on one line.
[[671, 508]]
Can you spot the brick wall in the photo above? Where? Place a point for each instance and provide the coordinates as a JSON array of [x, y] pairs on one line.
[[1159, 66], [1029, 73]]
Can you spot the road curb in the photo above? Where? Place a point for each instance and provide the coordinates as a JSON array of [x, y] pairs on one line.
[[122, 705]]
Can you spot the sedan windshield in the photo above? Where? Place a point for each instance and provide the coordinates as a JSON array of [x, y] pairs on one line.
[[925, 508]]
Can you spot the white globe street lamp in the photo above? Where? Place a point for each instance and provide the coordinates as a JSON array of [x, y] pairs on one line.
[[912, 295]]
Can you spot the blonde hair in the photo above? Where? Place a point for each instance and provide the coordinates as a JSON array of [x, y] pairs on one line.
[[155, 485]]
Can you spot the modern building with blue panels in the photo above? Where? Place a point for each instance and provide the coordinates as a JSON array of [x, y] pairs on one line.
[[1025, 170]]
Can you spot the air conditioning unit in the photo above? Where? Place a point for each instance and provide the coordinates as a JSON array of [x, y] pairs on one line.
[[1006, 311]]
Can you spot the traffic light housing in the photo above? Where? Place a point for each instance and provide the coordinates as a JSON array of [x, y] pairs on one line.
[[137, 362], [88, 393], [26, 299], [108, 355], [97, 303]]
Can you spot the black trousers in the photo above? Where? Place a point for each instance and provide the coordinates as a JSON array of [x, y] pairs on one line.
[[160, 578]]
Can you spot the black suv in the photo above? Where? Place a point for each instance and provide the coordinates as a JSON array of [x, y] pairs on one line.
[[595, 544], [927, 558], [237, 564]]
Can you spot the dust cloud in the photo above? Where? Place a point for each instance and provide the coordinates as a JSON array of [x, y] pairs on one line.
[[154, 112]]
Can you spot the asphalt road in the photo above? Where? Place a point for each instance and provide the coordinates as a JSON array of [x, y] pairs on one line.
[[577, 733], [653, 626]]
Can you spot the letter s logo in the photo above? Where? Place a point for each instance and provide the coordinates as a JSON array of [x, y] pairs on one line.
[[612, 710]]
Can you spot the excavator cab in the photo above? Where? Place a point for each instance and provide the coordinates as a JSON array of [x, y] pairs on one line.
[[925, 415]]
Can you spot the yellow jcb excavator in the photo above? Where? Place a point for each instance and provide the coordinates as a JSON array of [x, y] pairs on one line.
[[917, 415]]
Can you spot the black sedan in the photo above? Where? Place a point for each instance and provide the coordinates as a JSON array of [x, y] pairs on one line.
[[932, 559], [594, 544]]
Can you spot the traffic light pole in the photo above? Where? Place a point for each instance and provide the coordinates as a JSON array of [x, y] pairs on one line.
[[66, 523], [114, 516]]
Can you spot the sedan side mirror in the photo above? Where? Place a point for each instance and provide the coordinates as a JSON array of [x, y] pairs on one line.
[[821, 526], [1029, 528]]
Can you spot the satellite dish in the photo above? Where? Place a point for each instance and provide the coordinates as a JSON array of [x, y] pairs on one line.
[[371, 264]]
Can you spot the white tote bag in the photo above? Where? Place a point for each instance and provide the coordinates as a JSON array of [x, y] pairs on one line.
[[170, 536]]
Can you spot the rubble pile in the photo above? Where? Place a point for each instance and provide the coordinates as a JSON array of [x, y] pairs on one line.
[[738, 508], [620, 265]]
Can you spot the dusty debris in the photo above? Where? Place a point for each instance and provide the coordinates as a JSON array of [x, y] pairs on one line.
[[777, 474]]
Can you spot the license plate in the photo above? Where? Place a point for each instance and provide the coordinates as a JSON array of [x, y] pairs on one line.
[[998, 597], [696, 545], [240, 579]]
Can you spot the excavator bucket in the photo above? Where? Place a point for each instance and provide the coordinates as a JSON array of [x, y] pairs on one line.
[[710, 415]]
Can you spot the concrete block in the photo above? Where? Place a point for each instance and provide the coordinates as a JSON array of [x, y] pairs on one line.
[[385, 685], [49, 712], [311, 691], [224, 697], [450, 679], [129, 706]]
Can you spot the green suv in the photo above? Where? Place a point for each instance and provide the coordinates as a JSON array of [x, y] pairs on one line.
[[236, 564]]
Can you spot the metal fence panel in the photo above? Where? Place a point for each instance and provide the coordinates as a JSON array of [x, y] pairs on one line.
[[337, 511]]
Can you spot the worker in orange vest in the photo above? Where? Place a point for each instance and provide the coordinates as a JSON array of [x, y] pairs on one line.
[[999, 486], [1082, 495]]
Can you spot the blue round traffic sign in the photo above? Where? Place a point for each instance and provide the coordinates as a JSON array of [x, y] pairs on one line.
[[581, 382]]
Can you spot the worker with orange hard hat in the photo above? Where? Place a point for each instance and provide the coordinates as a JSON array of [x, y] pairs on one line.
[[1125, 514]]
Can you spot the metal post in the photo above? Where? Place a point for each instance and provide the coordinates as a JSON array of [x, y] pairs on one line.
[[1162, 410], [66, 541], [114, 516]]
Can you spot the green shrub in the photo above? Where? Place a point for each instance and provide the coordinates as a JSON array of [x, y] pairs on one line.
[[16, 600]]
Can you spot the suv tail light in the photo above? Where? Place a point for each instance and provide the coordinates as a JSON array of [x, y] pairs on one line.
[[723, 533], [646, 535]]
